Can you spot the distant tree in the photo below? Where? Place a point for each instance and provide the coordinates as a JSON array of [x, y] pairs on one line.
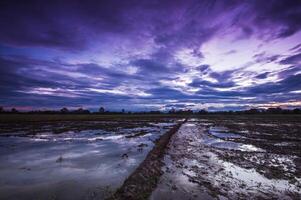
[[172, 111], [189, 111], [252, 111], [13, 110], [81, 111], [123, 111], [203, 112], [64, 110], [181, 111], [1, 109], [101, 110], [155, 112], [277, 110], [297, 111], [186, 111]]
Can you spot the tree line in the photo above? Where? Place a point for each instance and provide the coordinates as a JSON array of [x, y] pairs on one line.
[[102, 110]]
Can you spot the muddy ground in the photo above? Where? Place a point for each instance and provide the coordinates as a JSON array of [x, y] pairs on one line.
[[233, 157], [140, 184], [74, 160], [209, 157]]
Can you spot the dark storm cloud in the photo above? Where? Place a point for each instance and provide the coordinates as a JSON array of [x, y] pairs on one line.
[[36, 23], [222, 76], [165, 92], [263, 75], [69, 24], [23, 75], [283, 14], [27, 80], [145, 35], [62, 24], [203, 68], [264, 58], [223, 79], [291, 83], [247, 31], [12, 78], [190, 35], [101, 71], [18, 74], [291, 60], [219, 96], [266, 91], [292, 70], [150, 66], [202, 83]]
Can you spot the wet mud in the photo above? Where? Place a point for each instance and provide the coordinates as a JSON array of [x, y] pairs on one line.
[[228, 159], [81, 160], [212, 157], [140, 184]]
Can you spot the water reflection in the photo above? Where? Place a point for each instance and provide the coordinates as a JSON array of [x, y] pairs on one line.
[[219, 137], [74, 164]]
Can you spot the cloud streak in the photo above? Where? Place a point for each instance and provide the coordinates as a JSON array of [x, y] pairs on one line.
[[146, 55]]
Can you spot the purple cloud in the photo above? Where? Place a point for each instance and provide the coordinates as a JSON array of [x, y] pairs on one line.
[[149, 54]]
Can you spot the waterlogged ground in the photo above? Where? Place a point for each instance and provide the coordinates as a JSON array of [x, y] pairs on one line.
[[231, 157], [73, 160], [212, 157]]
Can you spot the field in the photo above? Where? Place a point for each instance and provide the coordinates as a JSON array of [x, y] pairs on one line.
[[234, 157], [209, 157], [73, 156]]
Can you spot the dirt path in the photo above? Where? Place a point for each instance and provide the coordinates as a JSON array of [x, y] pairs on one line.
[[143, 181], [196, 168], [204, 161]]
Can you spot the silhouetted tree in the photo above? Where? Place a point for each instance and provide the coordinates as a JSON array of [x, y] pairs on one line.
[[184, 111], [172, 111], [277, 110], [81, 111], [252, 111], [1, 109], [101, 110], [155, 112], [13, 110], [203, 112], [64, 110], [297, 111]]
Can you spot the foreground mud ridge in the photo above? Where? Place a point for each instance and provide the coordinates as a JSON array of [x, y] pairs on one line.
[[141, 183], [232, 159]]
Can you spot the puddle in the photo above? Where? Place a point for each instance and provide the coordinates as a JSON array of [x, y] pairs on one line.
[[189, 124], [283, 144], [161, 124], [217, 138], [228, 145], [87, 164], [253, 179], [222, 132], [267, 124]]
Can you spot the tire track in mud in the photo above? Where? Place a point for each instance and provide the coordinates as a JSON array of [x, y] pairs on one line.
[[140, 184]]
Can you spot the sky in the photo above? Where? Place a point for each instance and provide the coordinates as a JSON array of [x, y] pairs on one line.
[[150, 54]]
